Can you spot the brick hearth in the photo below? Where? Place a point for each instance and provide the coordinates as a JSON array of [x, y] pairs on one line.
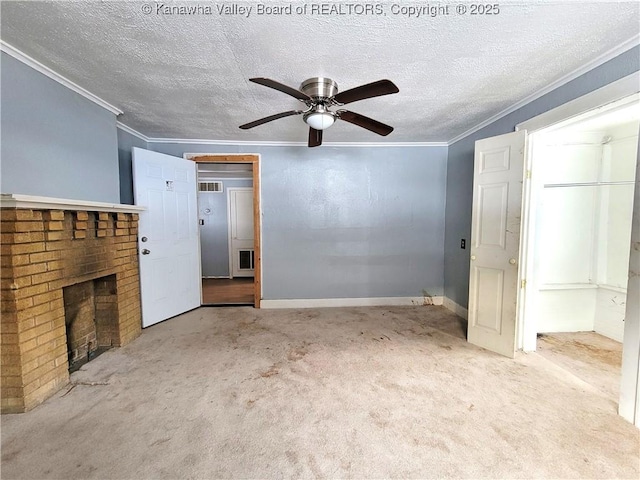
[[44, 251]]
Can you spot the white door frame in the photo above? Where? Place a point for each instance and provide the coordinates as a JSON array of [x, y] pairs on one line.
[[598, 100]]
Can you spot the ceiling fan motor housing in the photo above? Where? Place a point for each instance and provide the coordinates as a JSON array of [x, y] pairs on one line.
[[319, 88]]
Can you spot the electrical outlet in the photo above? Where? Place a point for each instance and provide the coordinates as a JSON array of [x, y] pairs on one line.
[[463, 243]]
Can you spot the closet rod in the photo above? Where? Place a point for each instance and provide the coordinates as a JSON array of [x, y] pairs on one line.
[[587, 184]]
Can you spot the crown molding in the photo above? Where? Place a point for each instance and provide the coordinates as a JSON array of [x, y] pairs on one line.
[[39, 67], [201, 141], [605, 57], [135, 133]]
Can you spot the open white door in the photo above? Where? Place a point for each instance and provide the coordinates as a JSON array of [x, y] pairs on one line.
[[167, 235], [495, 242]]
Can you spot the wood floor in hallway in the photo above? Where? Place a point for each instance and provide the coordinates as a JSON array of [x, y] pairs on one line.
[[228, 291]]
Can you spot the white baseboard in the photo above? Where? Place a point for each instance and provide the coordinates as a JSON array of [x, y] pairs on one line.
[[455, 308], [348, 302]]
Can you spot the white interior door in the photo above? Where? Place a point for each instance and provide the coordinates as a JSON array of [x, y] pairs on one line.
[[167, 235], [495, 242], [241, 232]]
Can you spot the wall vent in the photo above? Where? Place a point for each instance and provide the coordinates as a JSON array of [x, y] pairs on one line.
[[215, 187], [246, 260]]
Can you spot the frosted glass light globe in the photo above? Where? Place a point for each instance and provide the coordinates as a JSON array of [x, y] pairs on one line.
[[320, 120]]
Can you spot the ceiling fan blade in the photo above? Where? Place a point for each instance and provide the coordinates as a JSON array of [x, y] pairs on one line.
[[315, 137], [267, 82], [365, 122], [375, 89], [270, 118]]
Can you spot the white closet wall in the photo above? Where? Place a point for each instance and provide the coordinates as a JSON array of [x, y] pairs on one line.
[[616, 205], [583, 231]]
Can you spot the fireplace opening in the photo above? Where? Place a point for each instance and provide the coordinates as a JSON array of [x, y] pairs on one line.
[[91, 319]]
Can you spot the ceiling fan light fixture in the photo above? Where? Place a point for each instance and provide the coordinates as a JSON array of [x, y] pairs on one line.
[[321, 93], [319, 120]]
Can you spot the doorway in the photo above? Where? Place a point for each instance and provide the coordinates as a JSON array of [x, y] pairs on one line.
[[228, 210], [579, 237]]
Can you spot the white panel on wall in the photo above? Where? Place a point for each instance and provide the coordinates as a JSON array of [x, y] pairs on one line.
[[566, 232], [619, 164], [618, 235], [571, 163], [567, 310]]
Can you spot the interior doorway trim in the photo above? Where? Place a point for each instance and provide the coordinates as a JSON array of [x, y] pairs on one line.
[[254, 160], [623, 90]]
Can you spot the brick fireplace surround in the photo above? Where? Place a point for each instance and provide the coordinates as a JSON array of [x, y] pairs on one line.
[[48, 245]]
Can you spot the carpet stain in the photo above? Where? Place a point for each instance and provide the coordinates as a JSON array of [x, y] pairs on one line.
[[422, 334], [273, 370], [439, 444], [313, 465], [9, 456], [296, 354], [160, 442], [292, 457], [609, 357], [588, 352], [381, 419]]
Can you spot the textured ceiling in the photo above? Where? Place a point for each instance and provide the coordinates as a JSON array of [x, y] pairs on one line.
[[186, 76]]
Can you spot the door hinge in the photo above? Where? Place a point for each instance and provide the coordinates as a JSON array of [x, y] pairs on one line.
[[523, 283]]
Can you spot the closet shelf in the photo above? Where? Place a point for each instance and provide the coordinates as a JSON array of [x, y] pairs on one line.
[[588, 184]]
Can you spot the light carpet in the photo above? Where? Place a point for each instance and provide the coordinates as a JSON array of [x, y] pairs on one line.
[[376, 392]]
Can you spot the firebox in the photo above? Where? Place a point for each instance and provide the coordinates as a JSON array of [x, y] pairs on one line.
[[91, 319]]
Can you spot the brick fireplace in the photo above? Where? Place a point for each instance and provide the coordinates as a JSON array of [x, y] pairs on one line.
[[70, 286]]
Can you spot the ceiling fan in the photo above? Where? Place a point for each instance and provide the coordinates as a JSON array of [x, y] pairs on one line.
[[321, 93]]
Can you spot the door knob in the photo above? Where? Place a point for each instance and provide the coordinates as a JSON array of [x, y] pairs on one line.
[[145, 251], [512, 261], [473, 257]]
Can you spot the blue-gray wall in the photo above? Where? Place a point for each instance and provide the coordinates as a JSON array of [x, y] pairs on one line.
[[345, 222], [55, 143], [214, 233], [460, 164], [126, 142]]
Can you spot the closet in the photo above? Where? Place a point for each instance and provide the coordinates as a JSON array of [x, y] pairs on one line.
[[582, 185]]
